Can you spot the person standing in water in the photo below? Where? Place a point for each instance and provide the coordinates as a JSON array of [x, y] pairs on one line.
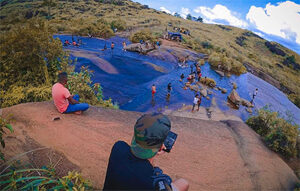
[[124, 45], [153, 90], [254, 95], [112, 46]]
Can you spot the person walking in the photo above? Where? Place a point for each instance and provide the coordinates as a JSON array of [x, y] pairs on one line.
[[195, 102], [153, 90], [199, 102], [254, 95]]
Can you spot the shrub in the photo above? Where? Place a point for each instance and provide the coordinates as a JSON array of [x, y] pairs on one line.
[[207, 45], [42, 179], [295, 99], [208, 81], [118, 24], [4, 123], [142, 35], [81, 83], [278, 134]]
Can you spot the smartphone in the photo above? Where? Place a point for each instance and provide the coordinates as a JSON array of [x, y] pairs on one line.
[[170, 140]]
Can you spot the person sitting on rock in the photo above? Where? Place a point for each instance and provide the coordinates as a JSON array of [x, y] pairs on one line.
[[124, 45], [63, 100], [131, 167]]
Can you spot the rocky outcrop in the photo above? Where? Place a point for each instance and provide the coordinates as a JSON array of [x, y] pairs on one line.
[[234, 98], [140, 48], [246, 103], [211, 155]]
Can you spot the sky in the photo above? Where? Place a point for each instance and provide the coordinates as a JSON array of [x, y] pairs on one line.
[[273, 20]]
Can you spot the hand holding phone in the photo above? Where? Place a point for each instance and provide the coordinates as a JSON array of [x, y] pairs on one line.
[[170, 140]]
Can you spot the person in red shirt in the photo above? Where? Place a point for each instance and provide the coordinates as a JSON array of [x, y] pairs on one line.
[[63, 100]]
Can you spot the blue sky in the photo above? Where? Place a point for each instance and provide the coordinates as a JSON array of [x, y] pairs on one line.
[[273, 20]]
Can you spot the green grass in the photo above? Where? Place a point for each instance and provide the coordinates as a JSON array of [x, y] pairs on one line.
[[80, 15]]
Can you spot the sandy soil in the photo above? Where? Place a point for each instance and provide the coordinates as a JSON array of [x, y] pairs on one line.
[[211, 155]]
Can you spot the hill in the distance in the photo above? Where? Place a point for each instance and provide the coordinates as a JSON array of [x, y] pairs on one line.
[[234, 46]]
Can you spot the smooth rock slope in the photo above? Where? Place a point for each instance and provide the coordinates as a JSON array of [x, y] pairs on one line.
[[211, 155]]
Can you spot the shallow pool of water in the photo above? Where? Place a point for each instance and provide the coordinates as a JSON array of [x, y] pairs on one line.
[[131, 85]]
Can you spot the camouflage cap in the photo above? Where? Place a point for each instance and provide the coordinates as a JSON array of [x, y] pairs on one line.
[[150, 131]]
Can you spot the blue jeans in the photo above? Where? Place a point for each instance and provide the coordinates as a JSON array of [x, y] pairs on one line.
[[77, 107]]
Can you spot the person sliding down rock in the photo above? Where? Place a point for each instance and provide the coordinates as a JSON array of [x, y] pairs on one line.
[[131, 167]]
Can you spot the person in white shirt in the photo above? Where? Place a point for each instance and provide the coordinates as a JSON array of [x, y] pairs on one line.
[[195, 102]]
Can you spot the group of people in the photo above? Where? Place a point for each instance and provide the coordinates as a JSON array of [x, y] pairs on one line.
[[130, 167], [74, 43]]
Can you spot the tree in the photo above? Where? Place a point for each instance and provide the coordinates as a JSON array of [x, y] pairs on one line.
[[49, 4], [177, 15], [200, 19], [189, 17]]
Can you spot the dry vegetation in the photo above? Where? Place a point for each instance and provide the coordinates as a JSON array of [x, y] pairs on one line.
[[229, 46]]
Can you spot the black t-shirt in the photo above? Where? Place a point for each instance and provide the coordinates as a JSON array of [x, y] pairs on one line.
[[127, 172]]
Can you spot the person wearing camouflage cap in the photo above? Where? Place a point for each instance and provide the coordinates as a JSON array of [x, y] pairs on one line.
[[132, 167]]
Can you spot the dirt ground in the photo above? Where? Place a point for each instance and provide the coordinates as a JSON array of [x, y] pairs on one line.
[[211, 155]]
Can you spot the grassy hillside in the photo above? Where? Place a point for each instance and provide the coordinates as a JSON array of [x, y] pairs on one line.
[[229, 46]]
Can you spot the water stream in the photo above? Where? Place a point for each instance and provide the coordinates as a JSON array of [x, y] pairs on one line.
[[129, 78]]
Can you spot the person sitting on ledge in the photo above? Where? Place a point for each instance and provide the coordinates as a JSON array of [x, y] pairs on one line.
[[63, 100], [132, 167]]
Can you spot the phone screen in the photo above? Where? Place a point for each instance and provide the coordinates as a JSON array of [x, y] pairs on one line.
[[170, 140]]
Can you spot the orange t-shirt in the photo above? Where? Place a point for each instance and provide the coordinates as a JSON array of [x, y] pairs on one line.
[[60, 96]]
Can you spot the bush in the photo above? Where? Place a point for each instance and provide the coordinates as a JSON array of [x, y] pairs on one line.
[[295, 99], [226, 63], [81, 83], [142, 35], [4, 123], [278, 134], [118, 24], [208, 81]]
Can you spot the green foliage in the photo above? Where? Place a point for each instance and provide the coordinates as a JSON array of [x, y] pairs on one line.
[[226, 63], [295, 99], [30, 60], [98, 29], [189, 17], [279, 135], [207, 45], [208, 81], [118, 24], [81, 83], [42, 179], [142, 35], [4, 124]]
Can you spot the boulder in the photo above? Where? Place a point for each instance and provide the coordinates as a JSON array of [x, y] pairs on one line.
[[141, 48], [223, 90], [185, 88], [246, 103], [203, 92], [234, 98], [187, 84], [249, 110], [194, 88], [230, 149], [220, 73], [208, 98], [209, 92]]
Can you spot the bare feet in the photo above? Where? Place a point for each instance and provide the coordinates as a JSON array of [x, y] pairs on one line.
[[78, 112]]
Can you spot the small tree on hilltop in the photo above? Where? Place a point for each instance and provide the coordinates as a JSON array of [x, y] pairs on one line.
[[189, 17], [199, 19]]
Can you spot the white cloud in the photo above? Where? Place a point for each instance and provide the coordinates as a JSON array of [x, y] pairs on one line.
[[165, 10], [220, 12], [282, 20], [184, 12]]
